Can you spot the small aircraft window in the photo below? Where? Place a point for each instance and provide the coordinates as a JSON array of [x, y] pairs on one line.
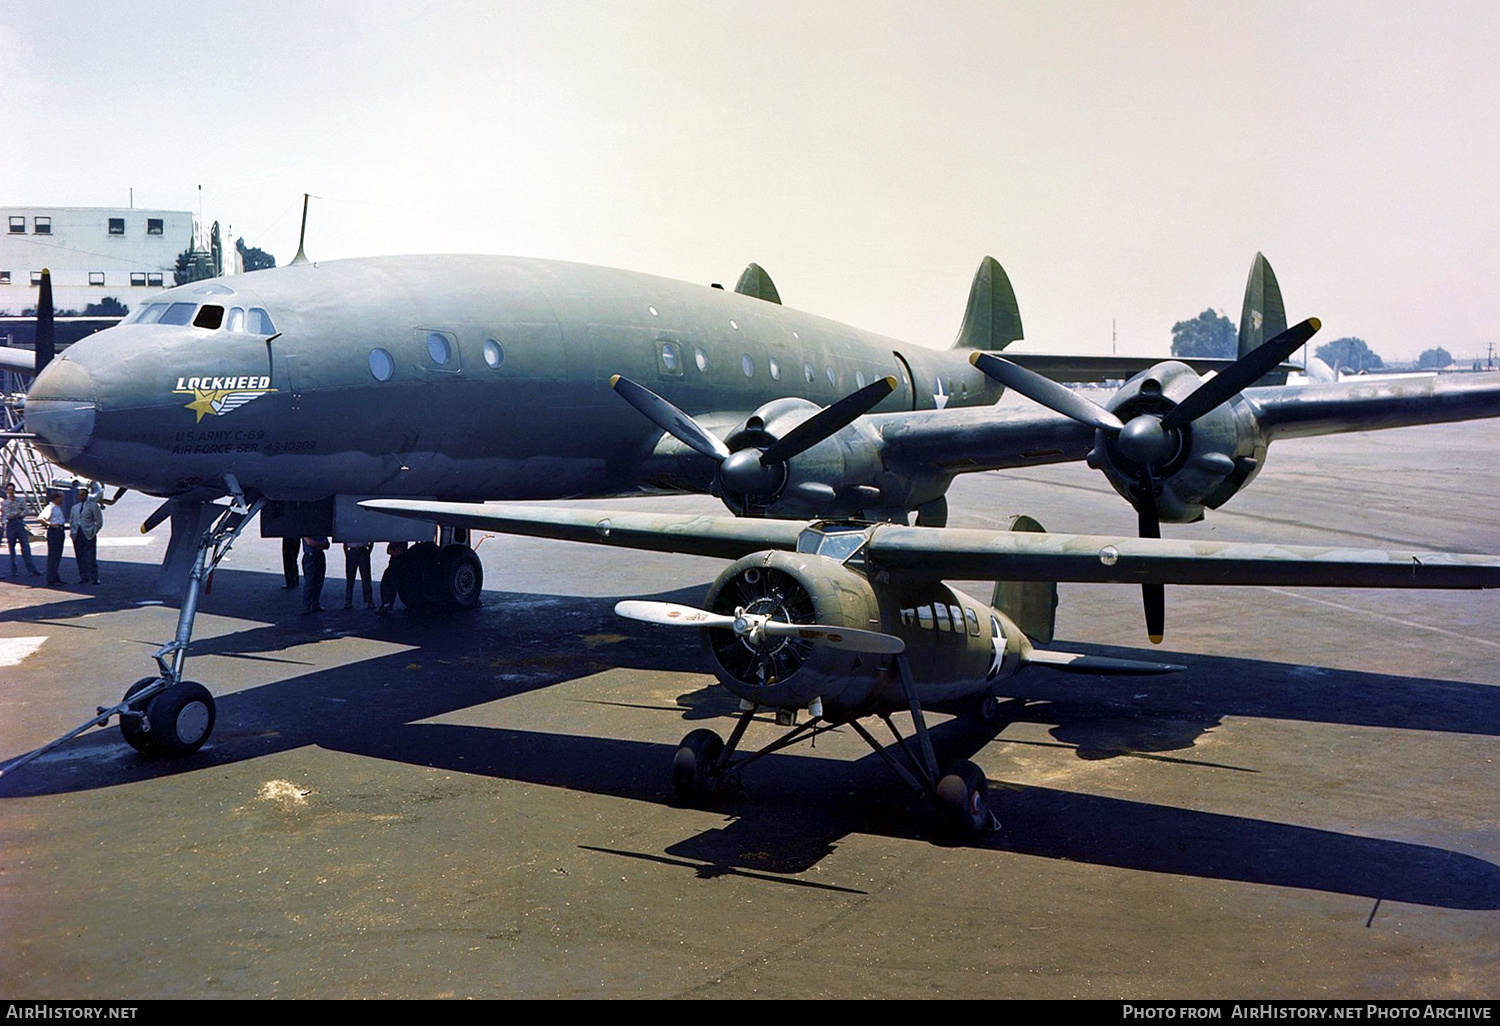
[[831, 379], [908, 617], [700, 358], [653, 311], [669, 356], [237, 319], [924, 617], [381, 364], [943, 623], [775, 366], [807, 372], [438, 348], [747, 365], [260, 322], [973, 619], [179, 313], [859, 379], [209, 316], [733, 325], [216, 289], [493, 354], [958, 619]]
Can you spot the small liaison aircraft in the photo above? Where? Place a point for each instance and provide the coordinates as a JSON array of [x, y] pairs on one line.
[[296, 392], [844, 621]]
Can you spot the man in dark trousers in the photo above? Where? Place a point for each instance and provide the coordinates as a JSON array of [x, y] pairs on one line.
[[314, 568], [357, 564], [289, 547]]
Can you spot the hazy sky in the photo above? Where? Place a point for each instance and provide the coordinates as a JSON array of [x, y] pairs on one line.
[[1123, 160]]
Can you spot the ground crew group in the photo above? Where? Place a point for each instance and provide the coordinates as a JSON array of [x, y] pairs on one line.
[[83, 520]]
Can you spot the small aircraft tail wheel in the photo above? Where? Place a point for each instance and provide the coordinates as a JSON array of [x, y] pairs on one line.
[[963, 809], [988, 708], [693, 775], [181, 718], [130, 726]]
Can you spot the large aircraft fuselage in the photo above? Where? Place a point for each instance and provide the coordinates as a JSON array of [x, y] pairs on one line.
[[455, 377]]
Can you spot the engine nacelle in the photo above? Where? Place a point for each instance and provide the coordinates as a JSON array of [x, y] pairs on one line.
[[791, 672], [1204, 463]]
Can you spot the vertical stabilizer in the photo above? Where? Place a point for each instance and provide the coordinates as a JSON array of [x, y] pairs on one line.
[[1263, 316], [756, 282], [993, 318], [1030, 605]]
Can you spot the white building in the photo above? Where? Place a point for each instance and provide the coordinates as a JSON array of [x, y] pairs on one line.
[[93, 252]]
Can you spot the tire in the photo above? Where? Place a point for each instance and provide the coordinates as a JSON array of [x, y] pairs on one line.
[[963, 810], [418, 567], [460, 578], [693, 775], [987, 709], [130, 727], [182, 718]]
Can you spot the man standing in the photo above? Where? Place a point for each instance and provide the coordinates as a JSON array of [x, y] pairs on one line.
[[15, 529], [314, 567], [88, 519], [53, 520], [357, 564], [289, 547]]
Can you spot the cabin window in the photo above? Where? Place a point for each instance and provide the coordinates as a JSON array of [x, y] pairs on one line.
[[381, 364], [138, 278], [178, 313], [859, 379], [117, 226], [493, 354], [747, 365], [237, 319], [700, 358], [259, 322], [438, 348], [831, 379], [807, 372], [96, 277], [774, 365], [42, 225], [210, 316], [153, 226], [924, 617], [973, 621], [943, 623], [669, 359]]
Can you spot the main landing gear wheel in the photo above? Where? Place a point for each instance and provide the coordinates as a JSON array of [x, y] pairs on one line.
[[460, 578], [694, 777], [963, 810], [418, 568], [181, 719]]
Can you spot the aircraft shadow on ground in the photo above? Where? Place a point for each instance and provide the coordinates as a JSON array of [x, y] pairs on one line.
[[798, 806]]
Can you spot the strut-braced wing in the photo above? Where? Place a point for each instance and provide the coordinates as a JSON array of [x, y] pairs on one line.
[[961, 554]]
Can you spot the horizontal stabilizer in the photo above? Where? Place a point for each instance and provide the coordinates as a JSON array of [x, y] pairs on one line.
[[757, 283], [1077, 662], [993, 317]]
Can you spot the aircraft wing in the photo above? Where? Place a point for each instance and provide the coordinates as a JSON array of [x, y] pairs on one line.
[[960, 554], [1078, 368], [1325, 409], [725, 537]]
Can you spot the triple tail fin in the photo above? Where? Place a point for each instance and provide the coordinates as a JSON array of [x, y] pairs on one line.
[[993, 318], [1263, 315]]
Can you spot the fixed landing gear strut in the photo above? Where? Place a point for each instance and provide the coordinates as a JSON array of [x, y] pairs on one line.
[[704, 765]]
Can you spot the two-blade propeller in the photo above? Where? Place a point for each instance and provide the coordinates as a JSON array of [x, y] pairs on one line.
[[752, 471], [1149, 440], [756, 628]]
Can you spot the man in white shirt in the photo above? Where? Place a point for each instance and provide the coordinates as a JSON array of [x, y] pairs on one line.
[[55, 522]]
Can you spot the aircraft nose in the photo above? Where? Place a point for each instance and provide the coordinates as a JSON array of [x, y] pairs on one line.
[[60, 410]]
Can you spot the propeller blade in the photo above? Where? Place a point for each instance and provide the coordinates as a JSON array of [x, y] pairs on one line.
[[1042, 389], [1241, 374], [670, 419], [850, 638], [46, 333], [671, 614], [1153, 596], [828, 421]]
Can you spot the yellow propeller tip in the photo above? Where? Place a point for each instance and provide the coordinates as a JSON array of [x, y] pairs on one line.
[[974, 358], [1155, 638], [612, 379], [1316, 324]]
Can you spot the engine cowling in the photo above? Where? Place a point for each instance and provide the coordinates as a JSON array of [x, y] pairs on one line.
[[791, 672], [1195, 467]]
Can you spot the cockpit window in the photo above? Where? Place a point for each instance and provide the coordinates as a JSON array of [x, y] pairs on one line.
[[209, 316], [179, 313], [150, 313], [237, 318], [834, 542], [260, 322]]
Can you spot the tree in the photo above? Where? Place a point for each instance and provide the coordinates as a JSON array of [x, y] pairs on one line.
[[1349, 354], [1432, 359], [253, 259], [109, 306], [192, 265], [1209, 334]]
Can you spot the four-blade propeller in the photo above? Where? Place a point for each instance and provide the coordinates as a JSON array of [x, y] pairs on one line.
[[1150, 440], [756, 628]]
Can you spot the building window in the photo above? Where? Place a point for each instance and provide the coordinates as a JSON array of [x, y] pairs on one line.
[[96, 277], [41, 225], [4, 277], [117, 226], [36, 277], [18, 225], [153, 226], [138, 278], [154, 280]]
